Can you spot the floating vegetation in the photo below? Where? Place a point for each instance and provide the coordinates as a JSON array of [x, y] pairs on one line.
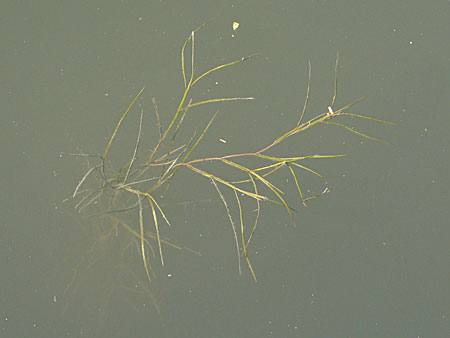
[[147, 174]]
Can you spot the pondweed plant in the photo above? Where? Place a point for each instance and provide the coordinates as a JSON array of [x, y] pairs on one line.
[[148, 173]]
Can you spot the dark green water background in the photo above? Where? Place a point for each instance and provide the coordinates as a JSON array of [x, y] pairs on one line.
[[368, 260]]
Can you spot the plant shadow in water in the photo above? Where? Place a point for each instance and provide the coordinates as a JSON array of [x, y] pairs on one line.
[[108, 273]]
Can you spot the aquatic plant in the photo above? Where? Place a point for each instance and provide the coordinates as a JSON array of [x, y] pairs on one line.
[[148, 173]]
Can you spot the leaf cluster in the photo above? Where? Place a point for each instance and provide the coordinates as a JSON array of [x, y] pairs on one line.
[[150, 172]]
